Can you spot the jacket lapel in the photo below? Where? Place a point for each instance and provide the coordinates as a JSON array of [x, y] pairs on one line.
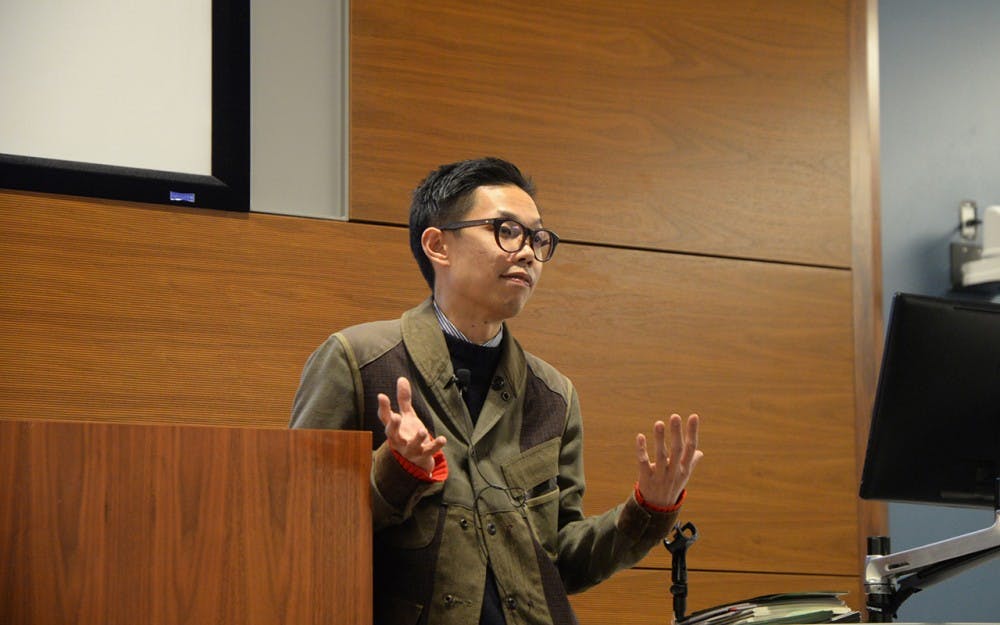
[[501, 403], [425, 343]]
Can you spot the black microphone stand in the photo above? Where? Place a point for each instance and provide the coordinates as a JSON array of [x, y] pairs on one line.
[[683, 537]]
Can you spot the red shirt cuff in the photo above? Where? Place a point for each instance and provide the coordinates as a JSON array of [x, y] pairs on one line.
[[438, 474], [674, 508]]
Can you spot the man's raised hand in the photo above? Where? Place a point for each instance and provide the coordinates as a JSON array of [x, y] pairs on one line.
[[662, 482], [404, 431]]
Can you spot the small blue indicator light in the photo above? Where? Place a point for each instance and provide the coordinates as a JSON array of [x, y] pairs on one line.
[[177, 196]]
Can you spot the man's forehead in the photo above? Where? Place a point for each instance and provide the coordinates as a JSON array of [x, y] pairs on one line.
[[505, 201]]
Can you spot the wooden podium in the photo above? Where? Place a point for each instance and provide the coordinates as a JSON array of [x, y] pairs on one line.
[[161, 524]]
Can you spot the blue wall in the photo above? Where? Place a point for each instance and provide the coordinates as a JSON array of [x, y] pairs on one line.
[[940, 143]]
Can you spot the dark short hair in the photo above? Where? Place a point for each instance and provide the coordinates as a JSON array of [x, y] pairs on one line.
[[445, 195]]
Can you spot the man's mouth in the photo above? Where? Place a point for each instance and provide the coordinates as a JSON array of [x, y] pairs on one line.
[[521, 278]]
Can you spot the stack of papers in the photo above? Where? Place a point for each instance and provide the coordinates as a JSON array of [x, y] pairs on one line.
[[795, 607]]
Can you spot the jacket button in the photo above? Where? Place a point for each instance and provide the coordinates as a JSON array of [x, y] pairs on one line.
[[491, 529], [463, 523], [511, 602], [449, 600], [505, 396], [498, 383]]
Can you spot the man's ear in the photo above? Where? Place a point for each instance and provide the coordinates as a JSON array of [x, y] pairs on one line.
[[432, 240]]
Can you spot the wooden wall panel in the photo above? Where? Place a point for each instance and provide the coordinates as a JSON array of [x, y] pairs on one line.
[[139, 313], [135, 313], [866, 237], [717, 128], [761, 350], [642, 596]]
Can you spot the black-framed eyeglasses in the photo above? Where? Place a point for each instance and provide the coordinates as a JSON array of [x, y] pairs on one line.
[[511, 235]]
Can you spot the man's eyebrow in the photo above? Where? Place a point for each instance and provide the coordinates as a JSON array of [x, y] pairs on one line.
[[509, 215]]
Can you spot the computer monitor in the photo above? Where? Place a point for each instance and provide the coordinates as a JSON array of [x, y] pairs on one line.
[[935, 429]]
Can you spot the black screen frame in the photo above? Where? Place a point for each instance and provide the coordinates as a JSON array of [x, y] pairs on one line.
[[228, 186], [935, 429]]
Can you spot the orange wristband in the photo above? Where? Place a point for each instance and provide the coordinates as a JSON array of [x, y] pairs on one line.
[[674, 508], [438, 474]]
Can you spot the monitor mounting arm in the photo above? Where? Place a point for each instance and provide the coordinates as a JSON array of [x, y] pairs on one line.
[[891, 578]]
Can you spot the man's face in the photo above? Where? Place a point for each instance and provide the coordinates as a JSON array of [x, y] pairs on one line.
[[487, 282]]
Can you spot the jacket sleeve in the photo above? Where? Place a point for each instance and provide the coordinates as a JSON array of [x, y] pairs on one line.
[[330, 396], [329, 390], [592, 548]]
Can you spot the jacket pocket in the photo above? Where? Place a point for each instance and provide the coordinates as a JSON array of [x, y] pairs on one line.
[[533, 476], [416, 532]]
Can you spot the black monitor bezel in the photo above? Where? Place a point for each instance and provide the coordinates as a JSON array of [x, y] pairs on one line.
[[900, 463]]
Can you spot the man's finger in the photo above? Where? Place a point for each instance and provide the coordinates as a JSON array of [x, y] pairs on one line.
[[384, 408], [690, 440], [698, 455], [676, 438], [415, 446], [392, 429], [642, 456], [434, 445], [660, 434], [404, 396]]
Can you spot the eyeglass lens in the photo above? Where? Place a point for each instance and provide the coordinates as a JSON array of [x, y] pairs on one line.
[[511, 235]]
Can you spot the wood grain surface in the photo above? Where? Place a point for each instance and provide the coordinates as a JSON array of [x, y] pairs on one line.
[[718, 128], [761, 351], [866, 237], [184, 330], [136, 313], [108, 523]]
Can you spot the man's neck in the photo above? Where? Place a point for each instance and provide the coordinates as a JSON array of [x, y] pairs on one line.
[[473, 327]]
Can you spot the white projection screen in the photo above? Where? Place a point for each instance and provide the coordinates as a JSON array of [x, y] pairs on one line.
[[137, 100]]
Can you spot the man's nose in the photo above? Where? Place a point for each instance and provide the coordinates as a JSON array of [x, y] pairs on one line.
[[526, 253]]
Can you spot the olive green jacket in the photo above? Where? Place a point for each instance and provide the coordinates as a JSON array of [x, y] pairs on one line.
[[515, 481]]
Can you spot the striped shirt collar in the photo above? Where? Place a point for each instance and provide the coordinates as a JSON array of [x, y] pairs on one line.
[[450, 329]]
